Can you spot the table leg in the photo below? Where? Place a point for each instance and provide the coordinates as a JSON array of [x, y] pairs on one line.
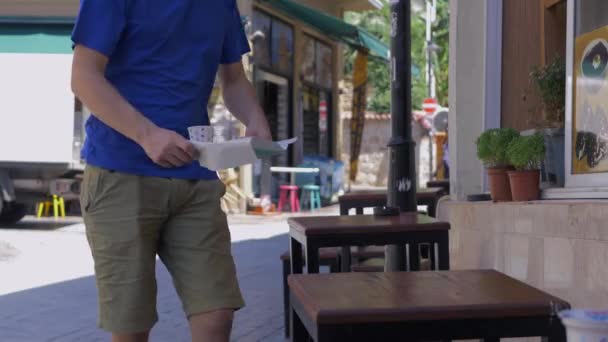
[[444, 251], [433, 256], [557, 333], [296, 257], [298, 330], [286, 306], [312, 258], [432, 208], [346, 259], [414, 256], [343, 210]]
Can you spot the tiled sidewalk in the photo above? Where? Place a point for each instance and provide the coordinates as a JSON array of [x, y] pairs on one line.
[[66, 310]]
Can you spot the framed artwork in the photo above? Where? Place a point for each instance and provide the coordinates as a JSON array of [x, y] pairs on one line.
[[590, 103], [586, 150]]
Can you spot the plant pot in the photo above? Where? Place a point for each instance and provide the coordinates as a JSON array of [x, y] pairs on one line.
[[525, 185], [500, 190]]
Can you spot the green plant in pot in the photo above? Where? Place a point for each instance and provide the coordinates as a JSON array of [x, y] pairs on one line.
[[492, 151], [526, 154]]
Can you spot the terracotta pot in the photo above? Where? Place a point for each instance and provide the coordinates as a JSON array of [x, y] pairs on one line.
[[525, 185], [500, 190]]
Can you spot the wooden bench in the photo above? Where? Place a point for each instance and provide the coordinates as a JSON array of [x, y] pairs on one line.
[[418, 306]]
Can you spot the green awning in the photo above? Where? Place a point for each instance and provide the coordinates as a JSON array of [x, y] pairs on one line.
[[35, 38], [333, 27]]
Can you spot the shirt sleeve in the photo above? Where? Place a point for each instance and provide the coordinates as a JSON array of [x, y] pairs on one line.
[[100, 24], [235, 41]]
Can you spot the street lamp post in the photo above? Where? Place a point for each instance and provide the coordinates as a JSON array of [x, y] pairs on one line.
[[402, 174]]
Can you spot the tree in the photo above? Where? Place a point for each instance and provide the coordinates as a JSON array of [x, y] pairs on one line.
[[378, 24]]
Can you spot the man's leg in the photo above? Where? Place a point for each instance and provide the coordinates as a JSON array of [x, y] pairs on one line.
[[139, 337], [213, 326], [195, 246], [123, 215]]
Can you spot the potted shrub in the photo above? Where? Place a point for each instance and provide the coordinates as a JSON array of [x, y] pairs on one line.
[[526, 153], [550, 83], [492, 151]]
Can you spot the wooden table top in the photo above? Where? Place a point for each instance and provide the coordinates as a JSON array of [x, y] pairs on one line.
[[379, 195], [363, 224], [418, 296]]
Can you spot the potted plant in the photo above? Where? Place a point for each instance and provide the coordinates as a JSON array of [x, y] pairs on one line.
[[526, 153], [492, 151], [550, 83]]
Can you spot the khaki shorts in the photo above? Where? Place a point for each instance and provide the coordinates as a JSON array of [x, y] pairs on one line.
[[131, 219]]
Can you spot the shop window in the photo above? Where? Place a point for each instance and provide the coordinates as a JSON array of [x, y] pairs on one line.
[[273, 47], [324, 64], [590, 108], [261, 47], [282, 47], [587, 114]]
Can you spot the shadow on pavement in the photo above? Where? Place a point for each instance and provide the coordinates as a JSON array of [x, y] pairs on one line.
[[67, 311], [32, 223]]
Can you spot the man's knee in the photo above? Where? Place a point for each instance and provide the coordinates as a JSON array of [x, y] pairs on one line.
[[215, 322]]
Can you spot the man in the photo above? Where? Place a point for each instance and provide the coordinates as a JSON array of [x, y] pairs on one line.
[[146, 68]]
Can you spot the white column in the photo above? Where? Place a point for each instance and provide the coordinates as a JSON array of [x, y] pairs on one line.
[[474, 95]]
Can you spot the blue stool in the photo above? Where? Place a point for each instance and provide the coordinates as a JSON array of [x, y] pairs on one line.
[[311, 196]]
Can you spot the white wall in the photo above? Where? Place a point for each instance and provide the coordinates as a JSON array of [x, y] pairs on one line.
[[474, 96]]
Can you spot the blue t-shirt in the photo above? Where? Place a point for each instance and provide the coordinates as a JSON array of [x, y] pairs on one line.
[[163, 59]]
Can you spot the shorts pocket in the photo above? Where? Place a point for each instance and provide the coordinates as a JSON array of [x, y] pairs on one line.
[[91, 185]]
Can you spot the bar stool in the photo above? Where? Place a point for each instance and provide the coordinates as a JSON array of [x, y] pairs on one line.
[[311, 196], [58, 205], [292, 192]]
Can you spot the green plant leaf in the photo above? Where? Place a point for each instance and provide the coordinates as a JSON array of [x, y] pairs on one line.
[[527, 152]]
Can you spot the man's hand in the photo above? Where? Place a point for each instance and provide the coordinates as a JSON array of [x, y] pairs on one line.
[[259, 129], [167, 148]]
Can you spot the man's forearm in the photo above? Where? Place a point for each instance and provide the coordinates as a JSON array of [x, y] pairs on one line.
[[241, 100], [92, 88]]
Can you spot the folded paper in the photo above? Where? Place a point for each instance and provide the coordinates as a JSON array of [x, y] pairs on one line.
[[238, 152]]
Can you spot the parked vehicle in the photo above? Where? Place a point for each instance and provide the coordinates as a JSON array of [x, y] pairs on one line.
[[41, 122]]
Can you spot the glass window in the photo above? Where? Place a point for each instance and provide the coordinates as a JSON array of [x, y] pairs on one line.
[[590, 93], [324, 62], [261, 46], [307, 68], [282, 47]]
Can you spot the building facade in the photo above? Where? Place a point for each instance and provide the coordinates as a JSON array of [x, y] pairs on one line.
[[554, 245]]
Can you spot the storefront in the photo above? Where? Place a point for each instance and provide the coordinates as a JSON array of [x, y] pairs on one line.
[[557, 244], [295, 64]]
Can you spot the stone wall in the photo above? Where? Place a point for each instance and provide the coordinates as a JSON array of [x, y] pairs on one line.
[[560, 247], [373, 159]]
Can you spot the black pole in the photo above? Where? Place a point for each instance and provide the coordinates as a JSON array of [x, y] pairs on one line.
[[402, 174]]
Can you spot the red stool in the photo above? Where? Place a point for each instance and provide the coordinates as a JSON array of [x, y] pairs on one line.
[[294, 201]]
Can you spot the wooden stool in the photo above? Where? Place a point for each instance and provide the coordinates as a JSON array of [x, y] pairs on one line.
[[290, 191], [58, 205], [421, 306], [311, 197]]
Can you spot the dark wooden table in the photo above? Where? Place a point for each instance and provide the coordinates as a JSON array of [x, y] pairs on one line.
[[414, 306], [359, 200], [309, 234]]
